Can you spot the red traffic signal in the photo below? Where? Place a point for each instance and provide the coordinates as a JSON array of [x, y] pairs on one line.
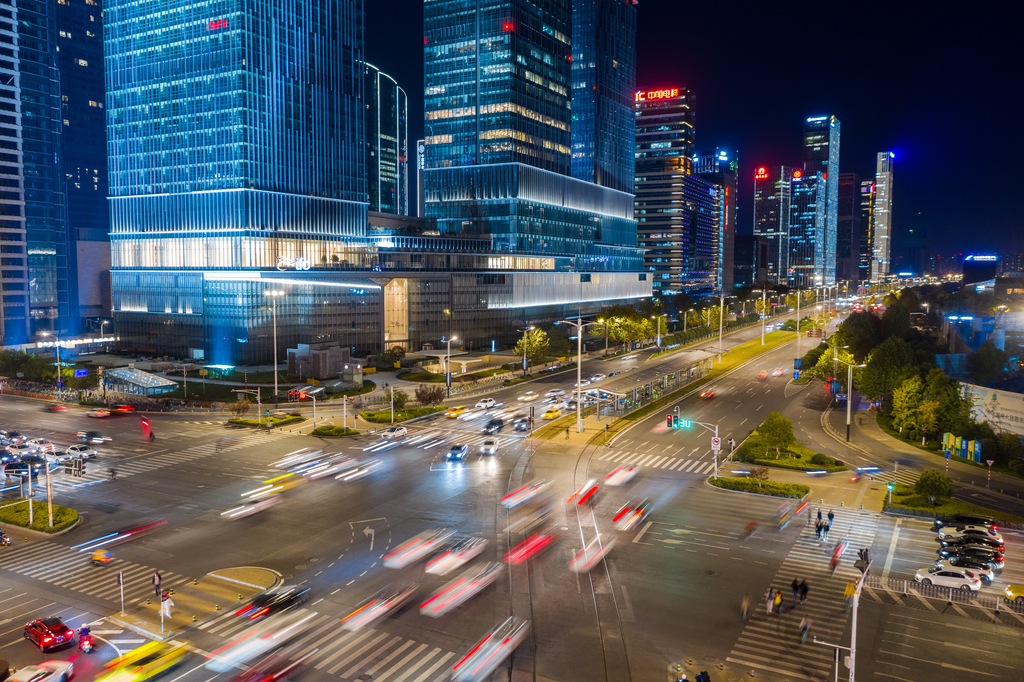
[[302, 395]]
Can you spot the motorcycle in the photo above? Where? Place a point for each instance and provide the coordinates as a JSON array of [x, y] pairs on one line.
[[85, 642], [5, 541], [101, 559]]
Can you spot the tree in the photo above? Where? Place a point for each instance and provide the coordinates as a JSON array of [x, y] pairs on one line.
[[399, 399], [776, 432], [392, 355], [887, 367], [428, 394], [934, 485], [861, 333], [240, 407], [759, 474], [1010, 447], [906, 403], [910, 300], [558, 342], [537, 346], [896, 321], [987, 364], [928, 416], [828, 363]]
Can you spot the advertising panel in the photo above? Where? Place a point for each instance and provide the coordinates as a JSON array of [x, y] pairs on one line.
[[1003, 411]]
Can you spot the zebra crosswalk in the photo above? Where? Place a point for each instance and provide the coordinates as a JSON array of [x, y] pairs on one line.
[[688, 466], [71, 569], [904, 477], [97, 470], [365, 654], [771, 642]]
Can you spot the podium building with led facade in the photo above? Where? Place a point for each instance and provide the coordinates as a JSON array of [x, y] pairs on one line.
[[237, 155]]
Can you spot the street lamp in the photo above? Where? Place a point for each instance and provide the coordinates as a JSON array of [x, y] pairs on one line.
[[658, 318], [721, 322], [448, 363], [274, 294], [579, 326], [849, 391], [56, 335], [524, 330], [685, 315]]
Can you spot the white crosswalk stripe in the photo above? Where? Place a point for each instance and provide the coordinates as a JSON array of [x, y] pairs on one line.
[[668, 462], [772, 642]]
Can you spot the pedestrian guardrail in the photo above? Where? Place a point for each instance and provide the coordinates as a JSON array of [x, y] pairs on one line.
[[990, 601]]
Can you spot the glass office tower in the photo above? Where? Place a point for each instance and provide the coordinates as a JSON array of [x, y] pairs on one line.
[[821, 155], [720, 167], [387, 142], [882, 217], [603, 86], [235, 144], [848, 227], [772, 196], [807, 220], [867, 218]]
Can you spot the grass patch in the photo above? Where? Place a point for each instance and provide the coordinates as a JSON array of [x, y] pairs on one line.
[[772, 488], [384, 416], [63, 517], [268, 421], [422, 377], [329, 430], [794, 456], [905, 500]]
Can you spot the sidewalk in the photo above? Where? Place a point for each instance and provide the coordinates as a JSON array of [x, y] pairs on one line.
[[216, 591], [836, 490]]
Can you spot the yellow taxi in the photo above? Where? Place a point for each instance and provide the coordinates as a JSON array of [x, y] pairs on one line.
[[552, 413], [149, 660], [529, 395], [455, 412], [1014, 593]]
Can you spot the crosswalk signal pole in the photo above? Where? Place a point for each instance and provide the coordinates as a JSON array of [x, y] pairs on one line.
[[49, 495], [120, 583], [30, 505]]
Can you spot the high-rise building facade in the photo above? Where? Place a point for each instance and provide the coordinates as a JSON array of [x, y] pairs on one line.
[[235, 149], [721, 168], [882, 217], [84, 145], [603, 87], [821, 155], [751, 259], [865, 248], [387, 142], [808, 245], [848, 228], [772, 197], [677, 212]]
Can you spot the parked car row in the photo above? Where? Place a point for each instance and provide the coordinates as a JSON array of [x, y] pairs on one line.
[[971, 550]]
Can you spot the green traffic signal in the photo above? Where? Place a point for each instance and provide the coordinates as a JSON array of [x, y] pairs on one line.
[[889, 486]]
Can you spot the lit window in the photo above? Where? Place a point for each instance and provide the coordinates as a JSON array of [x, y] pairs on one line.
[[82, 62]]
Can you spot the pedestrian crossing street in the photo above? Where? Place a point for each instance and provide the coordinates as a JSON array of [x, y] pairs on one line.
[[71, 569], [98, 470], [688, 466], [362, 655], [771, 642]]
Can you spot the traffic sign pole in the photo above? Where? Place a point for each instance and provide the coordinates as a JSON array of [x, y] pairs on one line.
[[990, 462]]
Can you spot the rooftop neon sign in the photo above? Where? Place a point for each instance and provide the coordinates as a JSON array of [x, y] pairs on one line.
[[667, 93], [216, 24], [762, 173]]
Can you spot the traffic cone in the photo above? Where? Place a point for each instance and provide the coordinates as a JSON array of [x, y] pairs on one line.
[[193, 619], [216, 607], [239, 596]]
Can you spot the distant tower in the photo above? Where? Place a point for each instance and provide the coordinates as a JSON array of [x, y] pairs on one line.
[[721, 168], [882, 218], [848, 228], [772, 195], [865, 247], [821, 155], [387, 142]]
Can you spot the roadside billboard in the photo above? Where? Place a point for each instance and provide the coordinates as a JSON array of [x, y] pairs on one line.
[[1002, 410]]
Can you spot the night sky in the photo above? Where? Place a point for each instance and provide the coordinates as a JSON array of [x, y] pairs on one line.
[[938, 84]]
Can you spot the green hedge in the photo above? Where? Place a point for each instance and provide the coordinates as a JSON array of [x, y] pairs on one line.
[[795, 456], [329, 430], [771, 488], [63, 517], [905, 500], [272, 421], [384, 416]]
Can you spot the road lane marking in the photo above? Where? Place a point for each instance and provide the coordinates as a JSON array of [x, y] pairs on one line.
[[892, 549], [642, 531]]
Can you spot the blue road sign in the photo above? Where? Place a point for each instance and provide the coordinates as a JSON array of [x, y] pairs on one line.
[[796, 374], [79, 373]]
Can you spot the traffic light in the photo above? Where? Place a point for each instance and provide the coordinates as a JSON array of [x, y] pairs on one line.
[[293, 396], [668, 420], [890, 486], [302, 395], [675, 421]]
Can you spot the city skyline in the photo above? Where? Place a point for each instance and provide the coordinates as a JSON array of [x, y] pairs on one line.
[[736, 108]]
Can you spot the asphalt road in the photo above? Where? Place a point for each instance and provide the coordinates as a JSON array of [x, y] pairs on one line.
[[669, 590]]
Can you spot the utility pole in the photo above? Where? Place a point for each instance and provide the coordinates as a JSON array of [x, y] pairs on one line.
[[764, 312], [392, 404], [49, 491]]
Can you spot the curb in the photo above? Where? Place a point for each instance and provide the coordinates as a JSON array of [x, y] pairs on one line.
[[138, 629], [276, 582], [38, 534], [707, 482]]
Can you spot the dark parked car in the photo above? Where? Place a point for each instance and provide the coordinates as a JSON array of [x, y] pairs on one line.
[[976, 540], [20, 468], [274, 601], [49, 633], [967, 520], [494, 426], [984, 555]]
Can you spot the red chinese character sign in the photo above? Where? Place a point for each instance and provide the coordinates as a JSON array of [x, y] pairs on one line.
[[217, 24], [646, 95]]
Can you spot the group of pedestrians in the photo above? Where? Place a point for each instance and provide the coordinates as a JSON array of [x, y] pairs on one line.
[[773, 599], [822, 527]]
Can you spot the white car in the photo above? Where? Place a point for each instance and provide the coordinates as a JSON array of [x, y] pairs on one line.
[[486, 403], [417, 547], [595, 550], [491, 651], [621, 474], [251, 507], [979, 569], [490, 446], [456, 555], [596, 377], [268, 634], [47, 671], [42, 445], [395, 432], [458, 591], [957, 578], [529, 395], [959, 532], [585, 382], [83, 451], [380, 606], [22, 449], [554, 392]]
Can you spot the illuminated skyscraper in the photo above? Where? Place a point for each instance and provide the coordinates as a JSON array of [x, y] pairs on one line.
[[821, 155], [848, 227], [865, 249], [387, 142], [808, 248], [721, 168], [772, 196], [882, 217], [603, 85]]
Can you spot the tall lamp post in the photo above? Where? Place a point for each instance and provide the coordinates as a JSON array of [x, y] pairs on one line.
[[658, 318], [448, 363], [525, 331], [849, 392], [274, 294], [56, 336], [721, 322], [685, 315], [579, 326]]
